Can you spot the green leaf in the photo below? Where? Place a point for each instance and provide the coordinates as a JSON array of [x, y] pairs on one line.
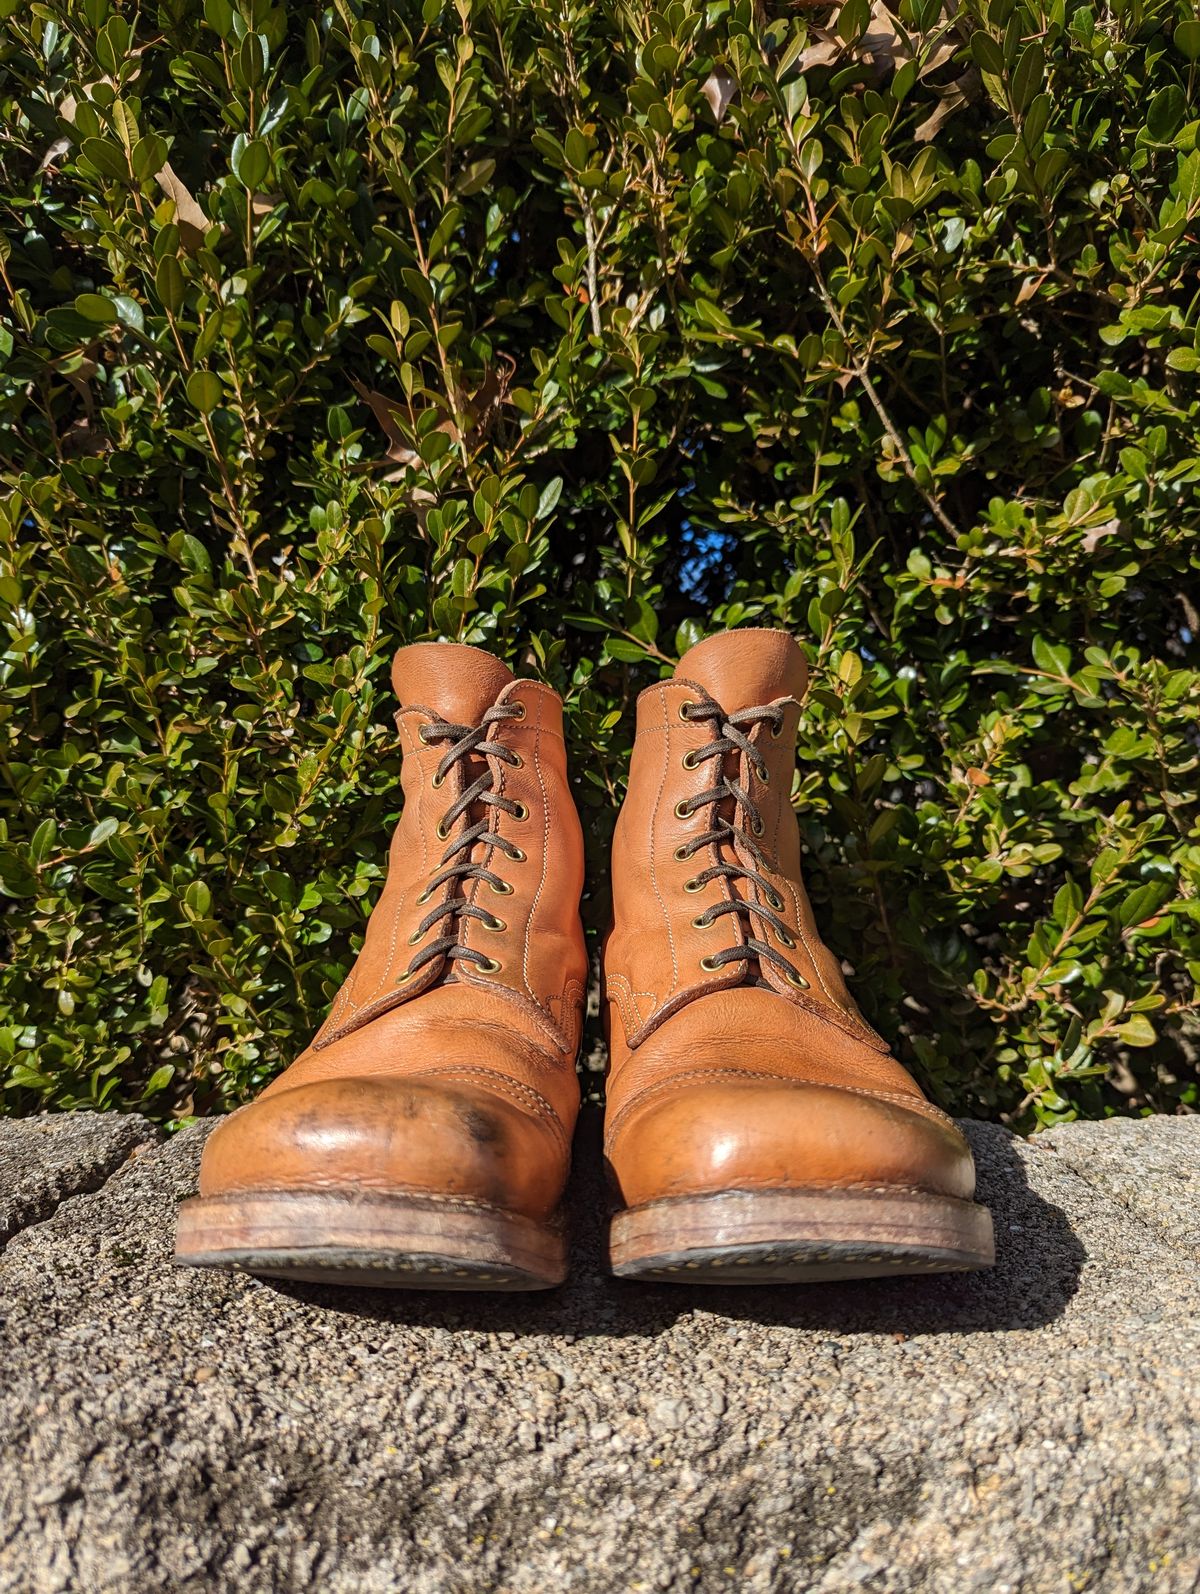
[[251, 161], [1186, 38], [169, 284], [159, 1080], [1053, 658], [1137, 1031], [42, 842], [205, 390], [1165, 112], [623, 651], [97, 307]]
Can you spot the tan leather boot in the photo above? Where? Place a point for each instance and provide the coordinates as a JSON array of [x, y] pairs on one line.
[[756, 1127], [423, 1138]]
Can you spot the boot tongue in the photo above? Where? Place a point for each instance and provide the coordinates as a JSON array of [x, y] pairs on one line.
[[741, 669], [460, 683]]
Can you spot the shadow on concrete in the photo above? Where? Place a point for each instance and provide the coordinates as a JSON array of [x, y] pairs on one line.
[[1038, 1262]]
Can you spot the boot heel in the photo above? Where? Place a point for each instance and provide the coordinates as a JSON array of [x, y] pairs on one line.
[[384, 1241], [798, 1236]]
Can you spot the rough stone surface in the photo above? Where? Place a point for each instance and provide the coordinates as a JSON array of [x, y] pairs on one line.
[[44, 1160], [1152, 1167], [1035, 1428]]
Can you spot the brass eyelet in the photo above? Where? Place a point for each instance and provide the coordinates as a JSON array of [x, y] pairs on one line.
[[425, 895], [503, 889], [764, 778], [777, 729], [709, 965], [407, 975], [683, 853], [797, 980], [516, 762], [693, 885], [437, 781], [415, 937], [517, 855], [683, 809], [689, 760], [421, 736], [520, 811], [490, 967], [786, 938], [520, 708], [441, 832], [774, 900], [494, 923], [701, 923], [683, 711], [758, 827]]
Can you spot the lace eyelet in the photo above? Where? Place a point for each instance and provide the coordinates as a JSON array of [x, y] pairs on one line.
[[416, 936], [437, 781], [494, 923], [402, 978], [693, 885], [520, 708], [777, 729], [421, 736], [683, 809], [520, 811], [441, 832], [786, 938], [709, 965], [797, 980], [503, 889], [517, 855], [516, 762], [774, 900], [758, 828], [689, 760], [683, 711], [701, 923], [425, 895], [490, 967], [764, 776], [683, 853]]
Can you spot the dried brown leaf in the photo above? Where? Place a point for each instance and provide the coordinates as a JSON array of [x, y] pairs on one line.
[[193, 224], [718, 89]]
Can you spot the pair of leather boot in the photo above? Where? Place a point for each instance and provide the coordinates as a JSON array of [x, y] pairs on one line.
[[756, 1127]]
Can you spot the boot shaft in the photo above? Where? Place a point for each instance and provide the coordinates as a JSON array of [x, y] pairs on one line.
[[485, 868], [707, 889]]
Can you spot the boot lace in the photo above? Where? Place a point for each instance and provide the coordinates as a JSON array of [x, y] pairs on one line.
[[457, 867], [744, 826]]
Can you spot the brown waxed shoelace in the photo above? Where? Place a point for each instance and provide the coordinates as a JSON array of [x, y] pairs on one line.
[[467, 740], [731, 738]]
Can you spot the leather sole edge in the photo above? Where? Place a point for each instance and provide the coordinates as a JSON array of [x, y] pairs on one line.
[[373, 1241], [799, 1236]]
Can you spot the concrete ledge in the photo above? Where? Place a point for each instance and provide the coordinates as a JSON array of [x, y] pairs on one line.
[[1036, 1428]]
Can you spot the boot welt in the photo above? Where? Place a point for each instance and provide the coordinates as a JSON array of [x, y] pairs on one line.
[[798, 1236], [372, 1239]]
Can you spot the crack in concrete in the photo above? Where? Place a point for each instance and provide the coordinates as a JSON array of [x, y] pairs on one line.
[[48, 1160]]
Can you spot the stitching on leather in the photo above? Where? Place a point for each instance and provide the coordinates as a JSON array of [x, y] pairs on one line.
[[573, 991], [666, 759], [353, 1191], [665, 1086], [521, 1095], [410, 750], [537, 895], [531, 1010], [860, 1188], [626, 1000]]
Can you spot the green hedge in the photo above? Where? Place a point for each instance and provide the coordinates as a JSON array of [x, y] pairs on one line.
[[580, 330]]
